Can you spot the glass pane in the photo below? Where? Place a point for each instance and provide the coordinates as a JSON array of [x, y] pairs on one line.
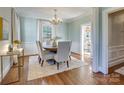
[[47, 32]]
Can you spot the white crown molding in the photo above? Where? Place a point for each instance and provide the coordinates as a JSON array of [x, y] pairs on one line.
[[77, 18], [64, 20]]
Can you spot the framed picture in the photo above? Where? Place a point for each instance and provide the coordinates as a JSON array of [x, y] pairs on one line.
[[4, 29]]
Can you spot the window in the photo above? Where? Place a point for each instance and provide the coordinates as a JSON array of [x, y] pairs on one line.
[[47, 32]]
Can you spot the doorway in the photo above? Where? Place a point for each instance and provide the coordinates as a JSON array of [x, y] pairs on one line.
[[105, 38], [86, 47]]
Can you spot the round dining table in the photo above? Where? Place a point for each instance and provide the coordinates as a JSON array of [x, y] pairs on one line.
[[50, 48]]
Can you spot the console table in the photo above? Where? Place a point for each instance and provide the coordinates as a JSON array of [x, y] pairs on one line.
[[20, 53]]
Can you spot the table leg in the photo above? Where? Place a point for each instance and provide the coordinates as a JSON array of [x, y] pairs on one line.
[[11, 63], [23, 57], [19, 68], [1, 70]]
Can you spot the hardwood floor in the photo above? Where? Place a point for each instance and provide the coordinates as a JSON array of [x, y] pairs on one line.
[[79, 76]]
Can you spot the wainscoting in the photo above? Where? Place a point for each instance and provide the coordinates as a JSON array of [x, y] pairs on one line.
[[116, 55], [6, 60], [30, 48]]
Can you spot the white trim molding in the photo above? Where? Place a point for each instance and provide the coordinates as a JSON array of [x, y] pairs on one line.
[[30, 48], [95, 39], [116, 55]]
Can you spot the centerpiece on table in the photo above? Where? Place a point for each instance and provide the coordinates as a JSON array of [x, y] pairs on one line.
[[16, 45], [54, 41]]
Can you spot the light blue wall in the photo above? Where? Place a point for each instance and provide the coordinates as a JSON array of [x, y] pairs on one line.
[[5, 12], [28, 29], [62, 31], [74, 29]]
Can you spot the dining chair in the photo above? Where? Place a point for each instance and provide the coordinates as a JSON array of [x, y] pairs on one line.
[[43, 55], [63, 52]]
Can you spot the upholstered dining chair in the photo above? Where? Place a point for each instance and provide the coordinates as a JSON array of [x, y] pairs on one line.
[[63, 52], [44, 55]]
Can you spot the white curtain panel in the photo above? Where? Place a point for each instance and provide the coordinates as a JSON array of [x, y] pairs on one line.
[[39, 30], [15, 26], [15, 29]]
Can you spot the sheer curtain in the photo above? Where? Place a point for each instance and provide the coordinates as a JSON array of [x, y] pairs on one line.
[[39, 30], [15, 26]]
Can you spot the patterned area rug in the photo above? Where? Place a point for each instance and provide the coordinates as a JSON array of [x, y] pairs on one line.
[[120, 70], [35, 70]]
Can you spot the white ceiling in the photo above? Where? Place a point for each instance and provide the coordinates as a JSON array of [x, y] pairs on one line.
[[65, 13]]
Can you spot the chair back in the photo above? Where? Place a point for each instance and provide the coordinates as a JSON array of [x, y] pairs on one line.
[[39, 47], [63, 50]]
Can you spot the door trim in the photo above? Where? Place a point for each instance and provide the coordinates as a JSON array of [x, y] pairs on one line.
[[95, 39]]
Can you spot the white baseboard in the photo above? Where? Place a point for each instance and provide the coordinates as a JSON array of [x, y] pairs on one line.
[[116, 62], [102, 70]]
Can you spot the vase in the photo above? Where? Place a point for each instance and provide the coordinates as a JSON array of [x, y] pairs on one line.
[[10, 48], [54, 44]]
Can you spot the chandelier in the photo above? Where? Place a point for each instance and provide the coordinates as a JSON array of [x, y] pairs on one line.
[[56, 20]]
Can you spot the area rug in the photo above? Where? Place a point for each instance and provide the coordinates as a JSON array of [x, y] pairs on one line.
[[120, 70], [35, 70]]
